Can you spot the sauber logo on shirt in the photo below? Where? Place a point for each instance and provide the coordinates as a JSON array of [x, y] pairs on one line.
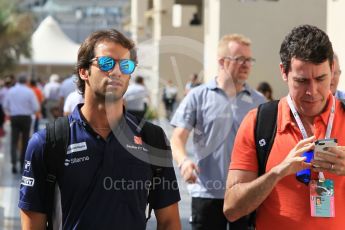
[[138, 140], [28, 181]]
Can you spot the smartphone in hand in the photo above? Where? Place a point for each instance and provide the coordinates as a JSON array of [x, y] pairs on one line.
[[321, 145]]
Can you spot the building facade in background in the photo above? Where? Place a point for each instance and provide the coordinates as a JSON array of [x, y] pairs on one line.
[[264, 21]]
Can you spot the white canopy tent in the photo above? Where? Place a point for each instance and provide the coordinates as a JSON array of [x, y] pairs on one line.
[[51, 46]]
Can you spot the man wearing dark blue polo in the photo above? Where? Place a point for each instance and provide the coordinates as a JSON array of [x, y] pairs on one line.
[[106, 173]]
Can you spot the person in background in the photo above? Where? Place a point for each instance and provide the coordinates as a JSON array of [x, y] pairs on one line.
[[72, 100], [266, 90], [40, 83], [169, 98], [195, 21], [304, 115], [20, 104], [137, 97], [40, 98], [68, 86], [335, 79], [194, 82], [10, 80], [3, 91], [51, 92], [214, 111]]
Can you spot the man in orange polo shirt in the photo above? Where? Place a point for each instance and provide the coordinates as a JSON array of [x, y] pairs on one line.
[[282, 201]]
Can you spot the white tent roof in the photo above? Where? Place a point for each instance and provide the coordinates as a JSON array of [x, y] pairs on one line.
[[51, 46]]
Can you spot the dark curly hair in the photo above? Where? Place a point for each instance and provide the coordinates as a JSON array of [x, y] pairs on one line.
[[307, 43], [87, 48]]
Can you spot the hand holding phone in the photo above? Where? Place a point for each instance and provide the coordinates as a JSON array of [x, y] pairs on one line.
[[321, 145]]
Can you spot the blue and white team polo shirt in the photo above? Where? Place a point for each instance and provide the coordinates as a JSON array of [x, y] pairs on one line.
[[104, 184]]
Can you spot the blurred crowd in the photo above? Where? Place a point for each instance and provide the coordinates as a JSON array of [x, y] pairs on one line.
[[30, 103]]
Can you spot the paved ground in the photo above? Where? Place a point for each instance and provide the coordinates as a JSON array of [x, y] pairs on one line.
[[185, 204], [9, 184]]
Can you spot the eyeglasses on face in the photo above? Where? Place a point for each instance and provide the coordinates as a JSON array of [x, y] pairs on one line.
[[106, 64], [241, 60], [337, 73]]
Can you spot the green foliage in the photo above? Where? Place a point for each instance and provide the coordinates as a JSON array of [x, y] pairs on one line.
[[151, 114], [15, 34]]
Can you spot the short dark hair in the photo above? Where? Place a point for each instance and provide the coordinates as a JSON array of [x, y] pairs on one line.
[[306, 43], [264, 87], [22, 78], [139, 80], [87, 50], [33, 82]]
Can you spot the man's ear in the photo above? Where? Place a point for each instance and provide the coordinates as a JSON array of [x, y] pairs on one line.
[[282, 72], [84, 74], [221, 63]]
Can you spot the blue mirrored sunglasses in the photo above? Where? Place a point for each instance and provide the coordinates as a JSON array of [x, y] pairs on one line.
[[106, 64]]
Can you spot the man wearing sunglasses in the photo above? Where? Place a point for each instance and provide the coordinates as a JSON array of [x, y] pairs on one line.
[[107, 172], [214, 110], [309, 112]]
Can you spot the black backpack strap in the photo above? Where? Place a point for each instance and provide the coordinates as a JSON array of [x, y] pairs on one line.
[[57, 137], [153, 137], [265, 131]]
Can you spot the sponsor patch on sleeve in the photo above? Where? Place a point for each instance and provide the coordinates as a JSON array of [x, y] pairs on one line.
[[27, 181], [27, 166]]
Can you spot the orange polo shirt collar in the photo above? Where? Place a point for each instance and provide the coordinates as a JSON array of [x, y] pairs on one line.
[[286, 119]]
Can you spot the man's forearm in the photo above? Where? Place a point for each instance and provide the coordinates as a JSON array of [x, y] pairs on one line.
[[168, 218], [241, 198], [33, 220], [178, 143], [179, 152], [169, 226]]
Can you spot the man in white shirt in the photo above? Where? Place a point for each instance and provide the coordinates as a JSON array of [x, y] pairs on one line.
[[72, 100], [136, 97], [20, 104]]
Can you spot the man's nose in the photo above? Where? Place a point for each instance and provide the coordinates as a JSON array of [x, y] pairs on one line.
[[115, 72], [312, 88]]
